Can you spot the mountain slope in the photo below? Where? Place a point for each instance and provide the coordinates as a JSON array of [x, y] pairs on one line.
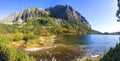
[[20, 17], [61, 19], [67, 13]]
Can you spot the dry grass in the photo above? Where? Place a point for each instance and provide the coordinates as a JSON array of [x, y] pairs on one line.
[[16, 44], [33, 43], [40, 42]]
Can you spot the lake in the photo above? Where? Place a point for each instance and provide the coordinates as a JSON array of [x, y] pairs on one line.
[[92, 44]]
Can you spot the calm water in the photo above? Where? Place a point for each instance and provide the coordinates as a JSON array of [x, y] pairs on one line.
[[93, 44]]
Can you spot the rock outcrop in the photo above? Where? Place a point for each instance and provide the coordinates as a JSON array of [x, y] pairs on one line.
[[59, 11], [66, 12], [20, 17]]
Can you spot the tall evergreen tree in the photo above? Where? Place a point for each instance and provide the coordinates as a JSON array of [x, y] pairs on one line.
[[118, 11], [114, 53]]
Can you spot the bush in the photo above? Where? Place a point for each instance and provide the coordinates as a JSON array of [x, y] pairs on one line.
[[112, 55], [9, 54], [29, 36], [88, 59], [18, 37]]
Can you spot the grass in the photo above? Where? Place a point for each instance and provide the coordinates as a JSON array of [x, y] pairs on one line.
[[40, 42], [33, 43], [16, 44]]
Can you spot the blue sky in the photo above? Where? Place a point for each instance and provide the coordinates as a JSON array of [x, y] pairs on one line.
[[99, 13]]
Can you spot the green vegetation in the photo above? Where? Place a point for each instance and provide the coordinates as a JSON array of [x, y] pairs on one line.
[[6, 28], [113, 54], [118, 11], [9, 54], [45, 26], [88, 59], [33, 32], [27, 35]]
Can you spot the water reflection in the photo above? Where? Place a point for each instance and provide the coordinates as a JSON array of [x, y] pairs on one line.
[[91, 43]]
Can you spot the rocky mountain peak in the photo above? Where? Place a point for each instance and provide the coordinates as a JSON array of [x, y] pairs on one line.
[[32, 8], [66, 12], [21, 16]]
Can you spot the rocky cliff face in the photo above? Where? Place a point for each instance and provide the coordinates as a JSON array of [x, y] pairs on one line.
[[59, 11], [66, 12], [20, 17]]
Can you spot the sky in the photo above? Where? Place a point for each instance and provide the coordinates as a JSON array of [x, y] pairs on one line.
[[99, 13]]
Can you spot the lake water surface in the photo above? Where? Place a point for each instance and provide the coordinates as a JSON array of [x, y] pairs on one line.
[[92, 44]]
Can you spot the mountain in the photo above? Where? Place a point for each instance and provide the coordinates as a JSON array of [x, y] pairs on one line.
[[57, 17], [59, 11], [20, 17], [115, 33], [67, 13], [24, 29]]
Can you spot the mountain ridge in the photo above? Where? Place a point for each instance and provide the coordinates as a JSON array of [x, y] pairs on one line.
[[59, 16], [23, 14], [66, 12]]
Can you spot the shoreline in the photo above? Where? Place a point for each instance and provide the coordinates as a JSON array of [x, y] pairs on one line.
[[92, 57], [83, 58], [40, 48]]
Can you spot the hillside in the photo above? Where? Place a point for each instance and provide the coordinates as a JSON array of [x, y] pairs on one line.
[[61, 17], [22, 15], [67, 13], [116, 33], [37, 28]]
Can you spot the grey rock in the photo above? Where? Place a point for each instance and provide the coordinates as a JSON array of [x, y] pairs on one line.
[[59, 11], [67, 13], [20, 17]]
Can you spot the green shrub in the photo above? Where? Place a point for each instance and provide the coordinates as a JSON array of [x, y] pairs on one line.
[[18, 37], [9, 54], [88, 59], [29, 36], [112, 55]]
